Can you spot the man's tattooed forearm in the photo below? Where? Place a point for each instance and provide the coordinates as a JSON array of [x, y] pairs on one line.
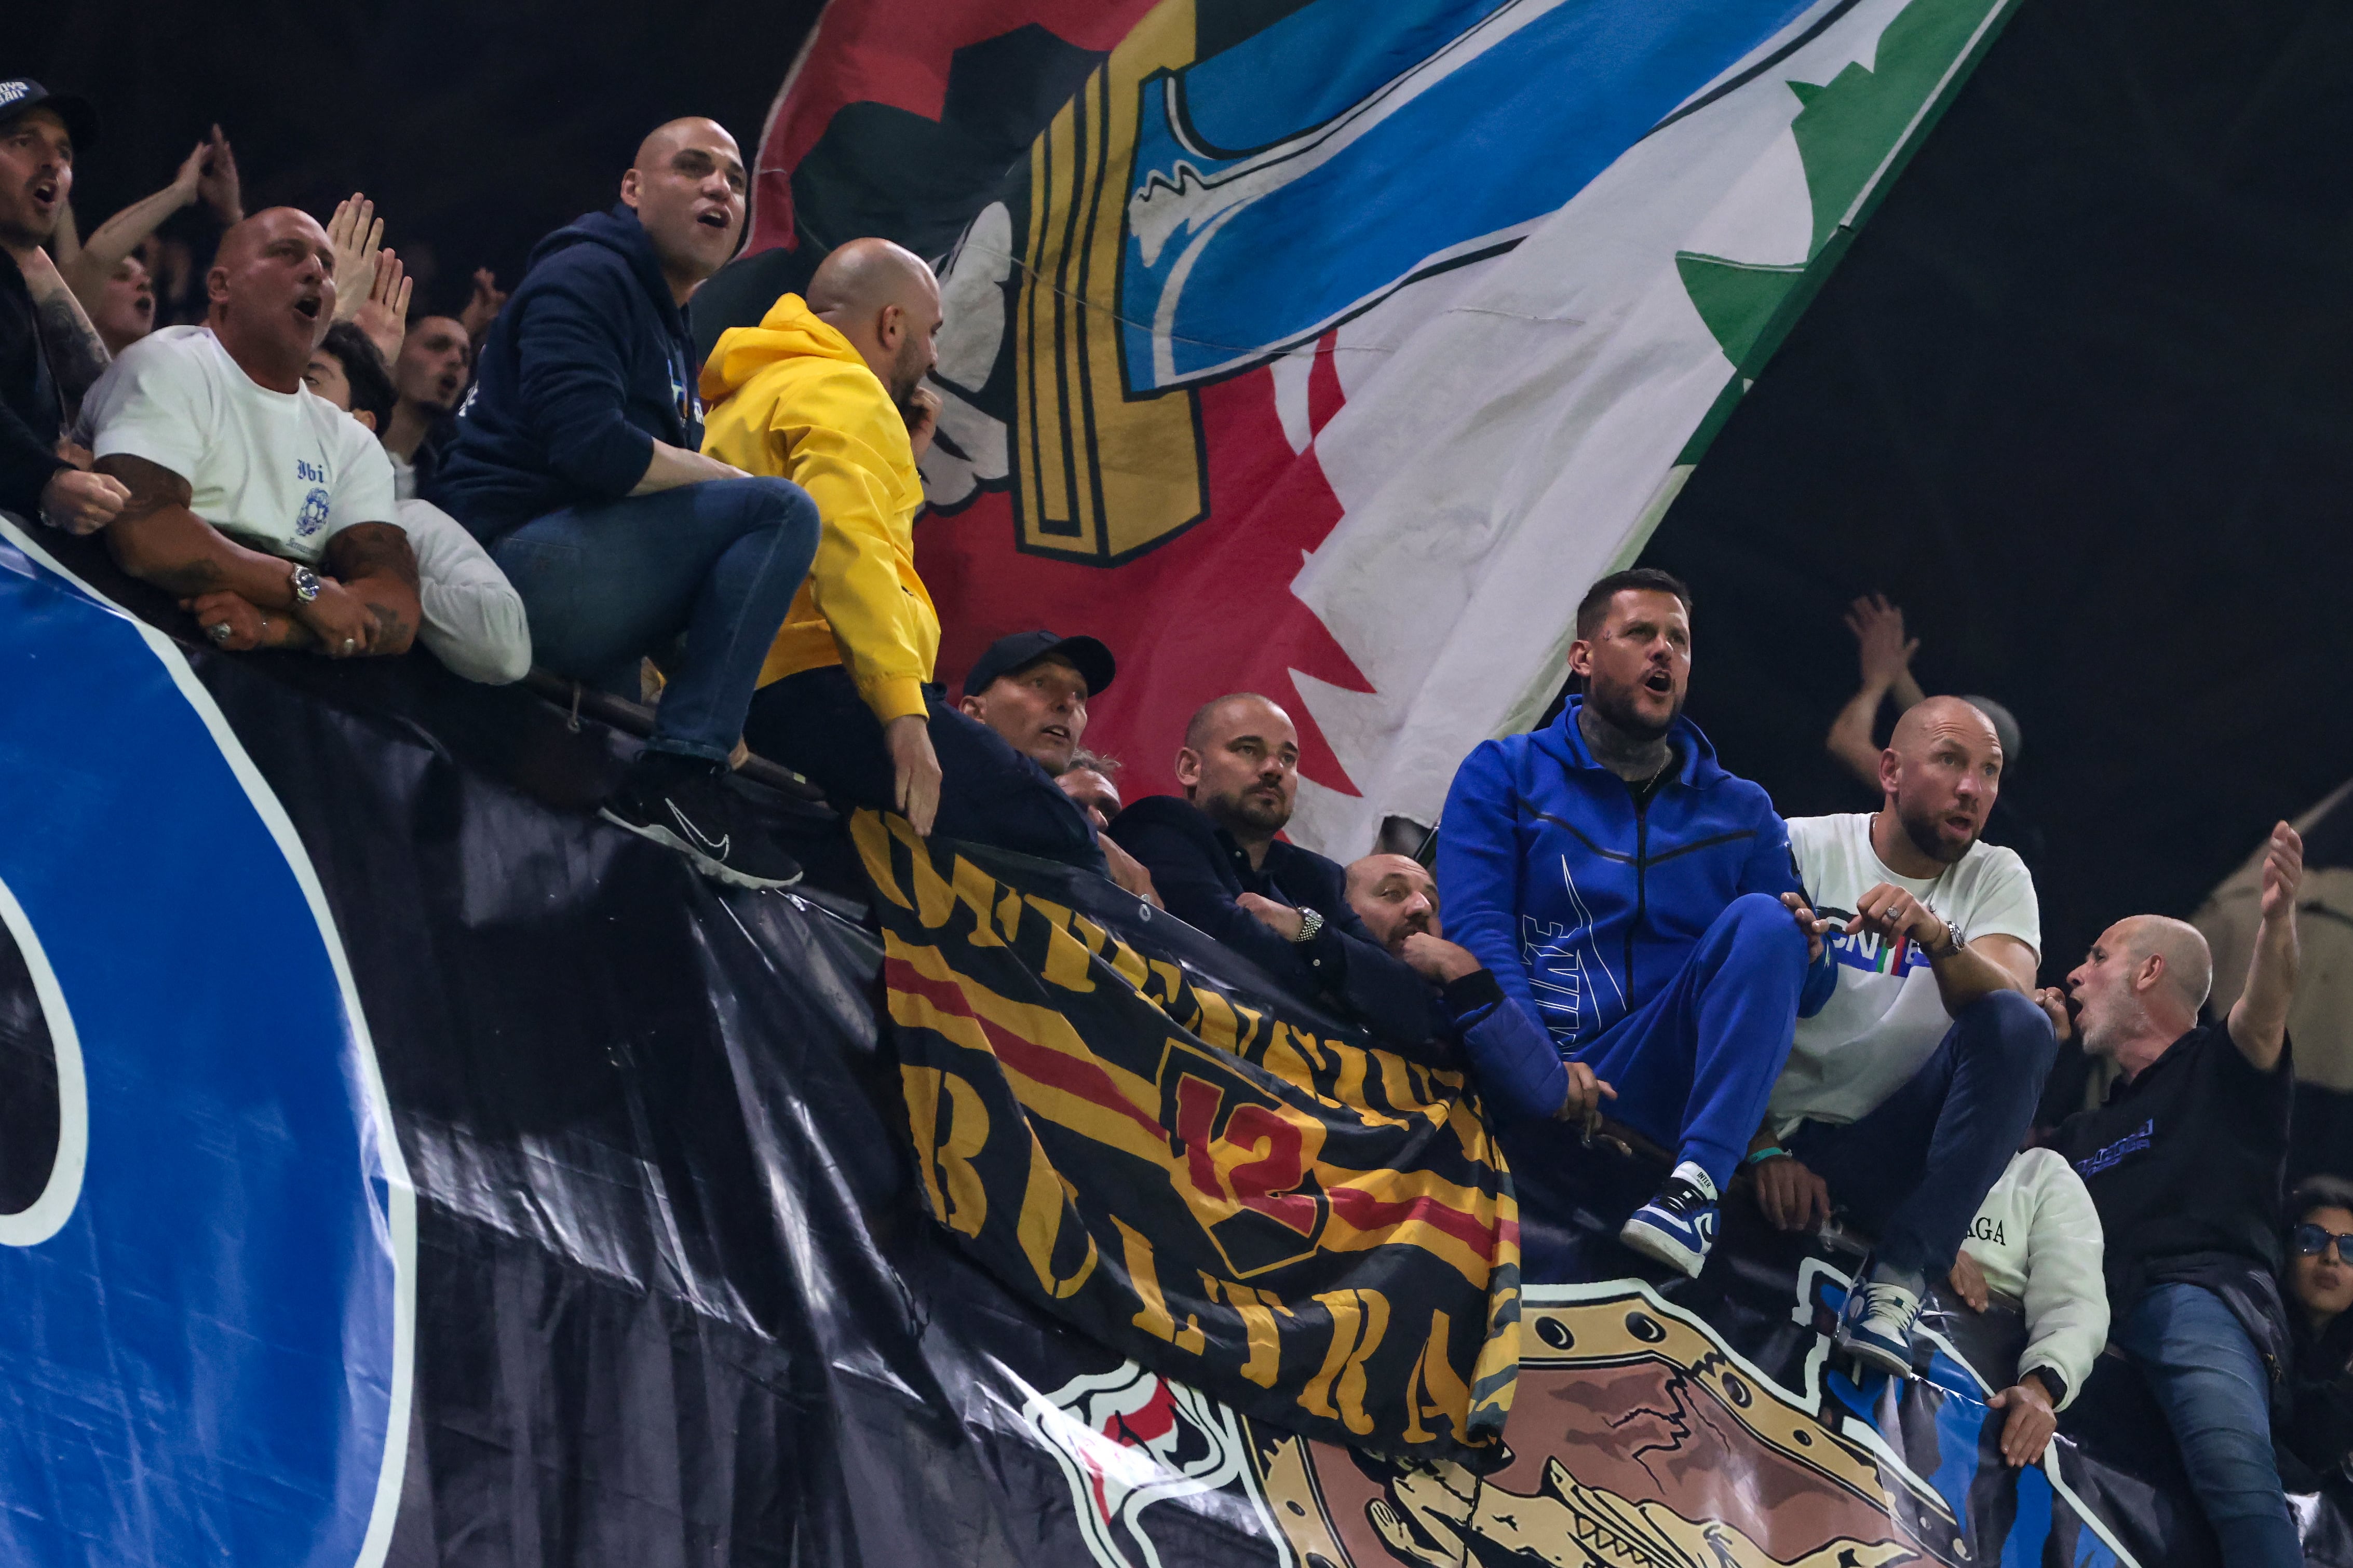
[[77, 355], [392, 629], [191, 578]]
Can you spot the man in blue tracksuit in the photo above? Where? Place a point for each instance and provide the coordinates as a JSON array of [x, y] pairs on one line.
[[1625, 892], [577, 461]]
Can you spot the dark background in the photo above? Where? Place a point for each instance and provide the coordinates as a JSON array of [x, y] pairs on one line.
[[2077, 399], [476, 128]]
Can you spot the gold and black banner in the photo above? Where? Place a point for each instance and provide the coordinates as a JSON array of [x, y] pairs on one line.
[[1211, 1177]]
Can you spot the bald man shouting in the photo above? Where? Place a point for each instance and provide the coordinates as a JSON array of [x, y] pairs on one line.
[[262, 505], [2185, 1163], [578, 461], [1906, 1095], [827, 391]]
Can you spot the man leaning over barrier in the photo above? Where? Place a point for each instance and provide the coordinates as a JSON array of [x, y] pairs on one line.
[[1625, 890], [576, 462], [2185, 1163], [827, 391], [242, 481], [1908, 1092]]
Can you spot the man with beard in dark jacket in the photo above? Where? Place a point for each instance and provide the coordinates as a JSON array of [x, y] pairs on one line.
[[577, 462]]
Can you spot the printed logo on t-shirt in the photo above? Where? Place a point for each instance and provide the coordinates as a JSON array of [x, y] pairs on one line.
[[2132, 1142], [1865, 951], [1984, 1229], [314, 511]]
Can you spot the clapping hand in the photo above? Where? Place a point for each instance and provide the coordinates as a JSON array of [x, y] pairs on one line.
[[2283, 872], [1878, 628], [355, 232], [484, 307], [384, 314], [218, 187]]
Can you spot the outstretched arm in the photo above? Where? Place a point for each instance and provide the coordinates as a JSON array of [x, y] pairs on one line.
[[2258, 1020], [94, 262]]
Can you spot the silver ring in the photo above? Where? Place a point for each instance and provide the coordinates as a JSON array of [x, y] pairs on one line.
[[219, 631], [350, 643]]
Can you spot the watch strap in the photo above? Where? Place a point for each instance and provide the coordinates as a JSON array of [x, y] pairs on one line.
[[1310, 925]]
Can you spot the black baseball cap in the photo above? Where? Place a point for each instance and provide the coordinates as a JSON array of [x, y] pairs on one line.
[[1009, 655], [18, 94]]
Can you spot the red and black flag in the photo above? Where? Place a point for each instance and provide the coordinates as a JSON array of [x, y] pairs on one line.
[[1132, 1130]]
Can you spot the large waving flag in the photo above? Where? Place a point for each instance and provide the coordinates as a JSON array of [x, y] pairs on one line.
[[1330, 350]]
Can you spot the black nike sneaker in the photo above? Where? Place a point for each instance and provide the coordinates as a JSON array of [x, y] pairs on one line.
[[685, 803]]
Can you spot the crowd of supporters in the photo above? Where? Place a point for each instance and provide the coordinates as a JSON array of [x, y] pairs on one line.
[[1838, 1015]]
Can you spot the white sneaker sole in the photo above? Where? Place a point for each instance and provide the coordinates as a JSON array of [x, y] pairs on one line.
[[717, 870], [1659, 1246], [1876, 1357]]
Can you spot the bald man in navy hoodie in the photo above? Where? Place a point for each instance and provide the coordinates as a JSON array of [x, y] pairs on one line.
[[577, 463]]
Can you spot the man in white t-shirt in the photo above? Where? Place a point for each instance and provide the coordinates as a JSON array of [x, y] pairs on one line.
[[243, 482], [1906, 1095]]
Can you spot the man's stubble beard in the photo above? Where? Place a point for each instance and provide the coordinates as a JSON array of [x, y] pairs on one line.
[[1228, 811], [1616, 708], [1921, 829]]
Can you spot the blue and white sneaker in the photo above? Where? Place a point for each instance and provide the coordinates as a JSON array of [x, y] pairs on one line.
[[1875, 1328], [1678, 1226]]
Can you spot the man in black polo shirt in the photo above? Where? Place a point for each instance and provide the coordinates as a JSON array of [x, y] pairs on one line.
[[2185, 1163], [1216, 862]]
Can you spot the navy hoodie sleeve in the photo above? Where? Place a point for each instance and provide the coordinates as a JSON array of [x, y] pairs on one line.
[[575, 375], [1397, 1003]]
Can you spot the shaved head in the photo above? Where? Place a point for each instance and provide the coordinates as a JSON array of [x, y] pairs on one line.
[[1934, 716], [885, 300], [1395, 896], [688, 187], [271, 294], [2189, 960], [1240, 764], [1940, 774]]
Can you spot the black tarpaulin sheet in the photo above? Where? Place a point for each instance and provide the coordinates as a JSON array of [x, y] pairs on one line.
[[668, 1294]]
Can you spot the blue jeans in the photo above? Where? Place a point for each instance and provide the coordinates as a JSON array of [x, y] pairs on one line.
[[1693, 1065], [1913, 1169], [720, 561], [2216, 1395]]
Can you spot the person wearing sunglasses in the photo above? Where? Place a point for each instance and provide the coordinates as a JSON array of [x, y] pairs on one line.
[[2316, 1436]]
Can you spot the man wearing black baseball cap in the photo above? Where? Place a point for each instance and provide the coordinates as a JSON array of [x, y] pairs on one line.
[[1032, 689], [49, 354]]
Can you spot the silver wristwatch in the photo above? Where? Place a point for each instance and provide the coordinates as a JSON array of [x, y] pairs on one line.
[[1310, 923], [304, 584]]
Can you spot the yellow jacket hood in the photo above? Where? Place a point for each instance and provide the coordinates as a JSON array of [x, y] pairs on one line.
[[790, 330]]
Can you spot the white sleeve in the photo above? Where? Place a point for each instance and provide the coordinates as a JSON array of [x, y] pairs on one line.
[[155, 404], [362, 491], [2066, 1291], [2006, 905], [474, 619]]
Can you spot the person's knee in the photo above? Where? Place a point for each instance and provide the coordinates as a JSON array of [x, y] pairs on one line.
[[1761, 923], [767, 500], [2010, 1025]]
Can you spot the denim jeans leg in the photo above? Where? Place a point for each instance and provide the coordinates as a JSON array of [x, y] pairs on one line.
[[767, 529], [608, 584], [2216, 1395]]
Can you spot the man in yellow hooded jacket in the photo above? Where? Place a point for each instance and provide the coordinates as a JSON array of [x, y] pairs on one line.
[[828, 391]]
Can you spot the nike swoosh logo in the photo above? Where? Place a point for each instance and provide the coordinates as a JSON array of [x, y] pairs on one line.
[[718, 850]]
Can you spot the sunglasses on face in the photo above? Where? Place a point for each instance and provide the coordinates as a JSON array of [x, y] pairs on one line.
[[2311, 1241]]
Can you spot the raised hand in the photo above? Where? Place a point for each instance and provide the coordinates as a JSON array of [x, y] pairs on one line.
[[483, 307], [188, 181], [1878, 628], [2052, 1000], [355, 233], [2283, 872], [219, 187], [384, 314]]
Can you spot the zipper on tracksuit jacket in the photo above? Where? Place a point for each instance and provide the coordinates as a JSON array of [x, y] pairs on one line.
[[1642, 887]]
